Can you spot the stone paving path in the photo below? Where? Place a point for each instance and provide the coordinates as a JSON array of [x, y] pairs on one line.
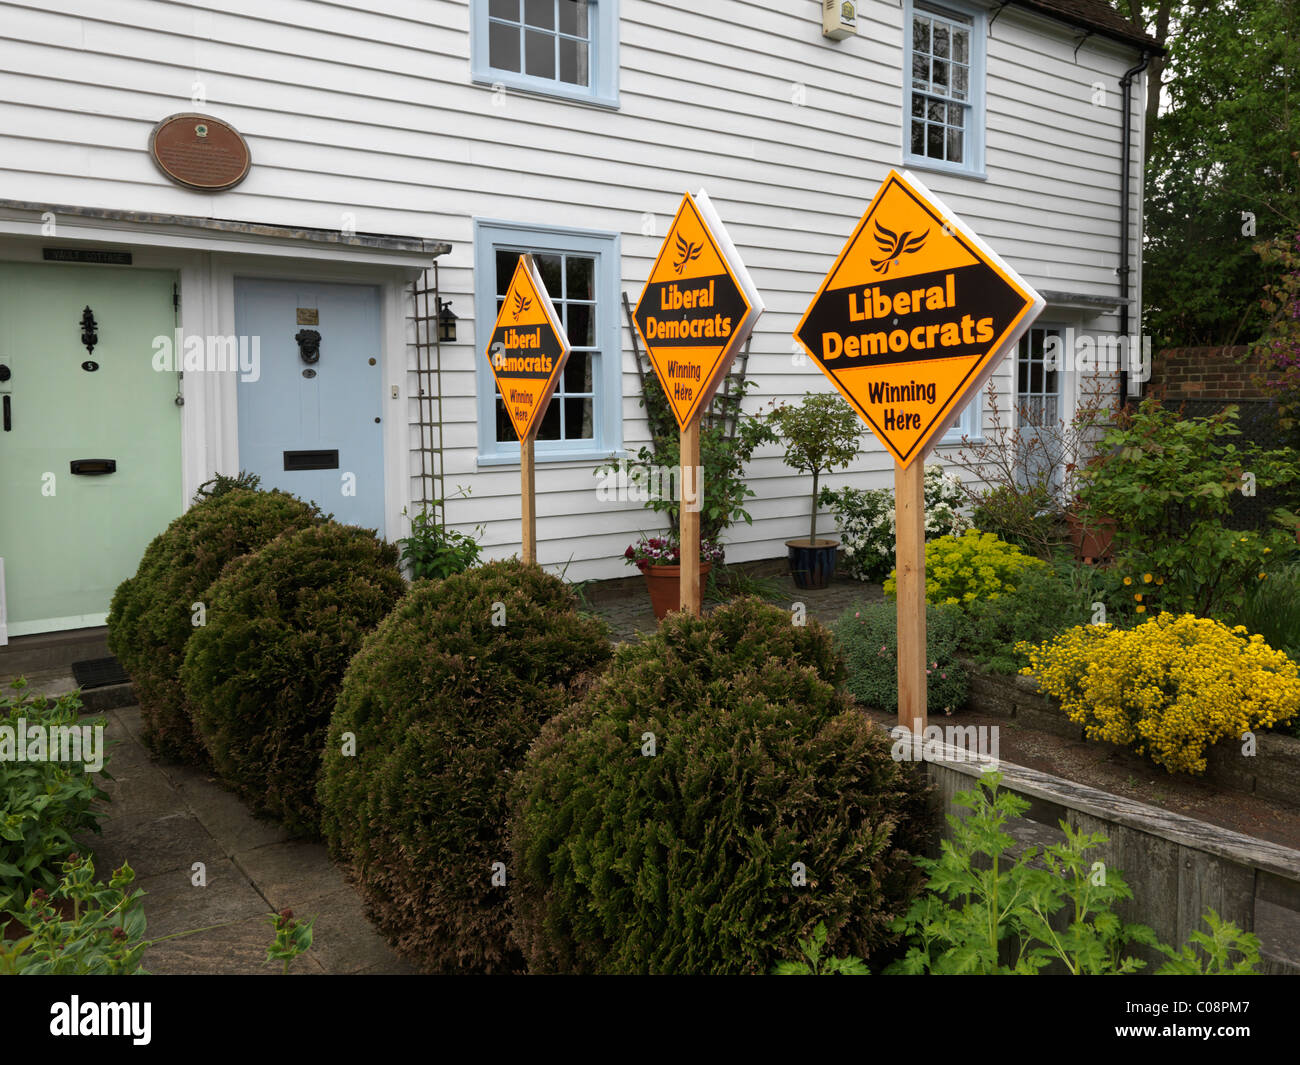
[[628, 610], [163, 819]]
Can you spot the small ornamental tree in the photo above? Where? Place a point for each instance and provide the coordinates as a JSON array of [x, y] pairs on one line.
[[822, 433]]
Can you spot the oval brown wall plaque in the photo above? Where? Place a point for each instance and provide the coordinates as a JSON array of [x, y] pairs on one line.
[[200, 152]]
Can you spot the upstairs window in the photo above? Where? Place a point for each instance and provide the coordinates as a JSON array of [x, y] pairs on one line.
[[944, 122], [566, 48]]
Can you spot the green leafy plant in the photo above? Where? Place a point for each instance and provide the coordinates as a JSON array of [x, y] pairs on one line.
[[1168, 484], [434, 551], [813, 964], [434, 716], [974, 565], [728, 439], [984, 913], [1041, 605], [292, 938], [1224, 951], [867, 637], [866, 521], [103, 935], [43, 803], [711, 798], [821, 433], [154, 613], [262, 675], [1271, 608]]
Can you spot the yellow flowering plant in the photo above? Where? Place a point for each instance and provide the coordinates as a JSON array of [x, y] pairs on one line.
[[1170, 688], [962, 569]]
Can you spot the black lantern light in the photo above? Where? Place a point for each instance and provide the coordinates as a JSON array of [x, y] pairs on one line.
[[446, 321], [89, 331]]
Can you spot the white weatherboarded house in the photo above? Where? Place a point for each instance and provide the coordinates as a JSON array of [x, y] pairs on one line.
[[387, 135]]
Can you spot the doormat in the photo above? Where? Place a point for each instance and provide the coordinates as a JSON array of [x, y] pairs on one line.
[[99, 672]]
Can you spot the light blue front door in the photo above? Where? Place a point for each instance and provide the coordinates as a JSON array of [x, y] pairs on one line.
[[313, 427]]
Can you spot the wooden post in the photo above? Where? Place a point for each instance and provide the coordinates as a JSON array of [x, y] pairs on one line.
[[688, 523], [909, 500], [528, 500]]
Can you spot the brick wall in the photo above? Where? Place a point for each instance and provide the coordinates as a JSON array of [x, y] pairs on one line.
[[1204, 373]]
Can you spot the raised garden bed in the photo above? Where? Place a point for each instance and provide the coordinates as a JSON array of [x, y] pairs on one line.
[[1273, 773]]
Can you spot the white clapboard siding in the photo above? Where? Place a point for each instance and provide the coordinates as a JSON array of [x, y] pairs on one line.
[[365, 108]]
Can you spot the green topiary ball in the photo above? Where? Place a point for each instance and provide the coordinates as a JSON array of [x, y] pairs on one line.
[[657, 824], [262, 676], [439, 707], [153, 614]]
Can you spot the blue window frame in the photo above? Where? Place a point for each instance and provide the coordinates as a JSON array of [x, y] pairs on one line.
[[581, 270], [943, 87], [565, 48]]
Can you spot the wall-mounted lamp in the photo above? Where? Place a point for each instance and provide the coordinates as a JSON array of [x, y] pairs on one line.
[[89, 336], [446, 321]]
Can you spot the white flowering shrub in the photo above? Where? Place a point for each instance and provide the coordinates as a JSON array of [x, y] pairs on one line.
[[866, 521]]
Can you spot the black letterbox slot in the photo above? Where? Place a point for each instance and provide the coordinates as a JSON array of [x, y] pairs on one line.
[[311, 460], [93, 467]]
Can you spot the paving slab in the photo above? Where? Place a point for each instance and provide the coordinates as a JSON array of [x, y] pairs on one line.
[[293, 874], [342, 944], [236, 950], [223, 813], [174, 903]]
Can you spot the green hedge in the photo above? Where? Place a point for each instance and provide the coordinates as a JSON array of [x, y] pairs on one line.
[[867, 635], [441, 703], [683, 860], [263, 674], [152, 615]]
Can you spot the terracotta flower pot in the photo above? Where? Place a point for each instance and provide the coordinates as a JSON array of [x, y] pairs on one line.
[[812, 565], [1091, 542], [665, 586]]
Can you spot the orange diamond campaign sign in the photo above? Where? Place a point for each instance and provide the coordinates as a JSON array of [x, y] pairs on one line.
[[528, 349], [697, 309], [914, 317]]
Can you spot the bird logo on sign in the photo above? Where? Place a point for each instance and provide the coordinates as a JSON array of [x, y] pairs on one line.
[[522, 303], [895, 246], [687, 252]]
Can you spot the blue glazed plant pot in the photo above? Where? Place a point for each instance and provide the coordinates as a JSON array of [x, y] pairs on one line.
[[812, 566]]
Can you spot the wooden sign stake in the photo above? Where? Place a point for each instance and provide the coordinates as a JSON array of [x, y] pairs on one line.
[[688, 519], [528, 500], [909, 501]]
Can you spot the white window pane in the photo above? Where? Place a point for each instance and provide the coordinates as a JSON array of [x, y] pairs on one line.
[[920, 34], [961, 45], [573, 61], [507, 9], [960, 81], [540, 13], [955, 139], [941, 41], [573, 17], [503, 46], [540, 54]]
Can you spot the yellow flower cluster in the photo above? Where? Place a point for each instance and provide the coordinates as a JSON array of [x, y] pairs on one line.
[[1170, 688], [975, 565]]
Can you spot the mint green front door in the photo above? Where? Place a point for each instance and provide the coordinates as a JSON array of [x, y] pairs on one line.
[[69, 538]]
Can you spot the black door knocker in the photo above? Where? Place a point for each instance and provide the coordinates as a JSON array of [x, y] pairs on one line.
[[308, 345], [89, 335]]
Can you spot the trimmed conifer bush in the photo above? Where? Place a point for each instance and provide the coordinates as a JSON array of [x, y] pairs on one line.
[[434, 716], [712, 799], [262, 676], [153, 615]]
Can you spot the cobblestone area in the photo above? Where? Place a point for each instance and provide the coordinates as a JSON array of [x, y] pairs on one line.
[[625, 605]]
